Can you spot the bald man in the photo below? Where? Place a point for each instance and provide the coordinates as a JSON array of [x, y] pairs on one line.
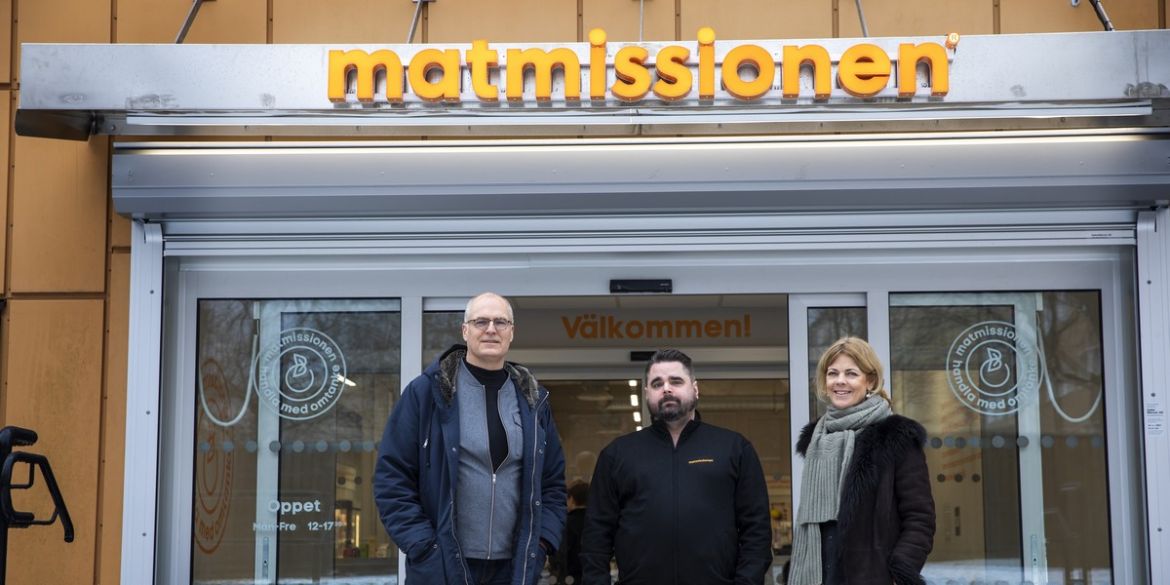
[[470, 474]]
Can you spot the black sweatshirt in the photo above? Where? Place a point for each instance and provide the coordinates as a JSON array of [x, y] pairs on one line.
[[695, 514]]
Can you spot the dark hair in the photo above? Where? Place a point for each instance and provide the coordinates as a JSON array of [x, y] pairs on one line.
[[579, 491], [668, 355]]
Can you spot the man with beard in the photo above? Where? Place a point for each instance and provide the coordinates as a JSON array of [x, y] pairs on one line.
[[679, 502]]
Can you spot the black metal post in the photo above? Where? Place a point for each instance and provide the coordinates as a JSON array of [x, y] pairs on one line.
[[1104, 18]]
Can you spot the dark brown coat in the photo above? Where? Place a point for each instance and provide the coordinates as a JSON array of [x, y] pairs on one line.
[[886, 519]]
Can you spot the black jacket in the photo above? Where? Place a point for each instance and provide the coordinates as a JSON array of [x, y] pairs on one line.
[[695, 514], [885, 523]]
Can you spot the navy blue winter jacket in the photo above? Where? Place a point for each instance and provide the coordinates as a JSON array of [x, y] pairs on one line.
[[417, 469]]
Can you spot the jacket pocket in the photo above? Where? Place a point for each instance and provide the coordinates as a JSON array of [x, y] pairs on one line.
[[902, 573], [428, 567]]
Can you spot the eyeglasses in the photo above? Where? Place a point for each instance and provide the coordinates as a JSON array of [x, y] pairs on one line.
[[482, 324]]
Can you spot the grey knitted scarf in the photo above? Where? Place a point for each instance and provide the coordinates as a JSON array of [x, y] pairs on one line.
[[825, 462]]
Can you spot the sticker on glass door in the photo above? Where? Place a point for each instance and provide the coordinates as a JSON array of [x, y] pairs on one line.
[[302, 375], [993, 370]]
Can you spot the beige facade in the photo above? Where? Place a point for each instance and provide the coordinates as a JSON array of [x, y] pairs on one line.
[[64, 256]]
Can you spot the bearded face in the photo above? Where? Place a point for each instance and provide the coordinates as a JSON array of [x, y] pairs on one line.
[[671, 393]]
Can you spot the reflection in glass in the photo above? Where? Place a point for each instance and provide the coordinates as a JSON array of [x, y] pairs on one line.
[[440, 332], [1009, 387], [291, 399]]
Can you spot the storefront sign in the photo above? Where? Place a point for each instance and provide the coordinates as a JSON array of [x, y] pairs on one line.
[[651, 328], [575, 88], [746, 71], [594, 326]]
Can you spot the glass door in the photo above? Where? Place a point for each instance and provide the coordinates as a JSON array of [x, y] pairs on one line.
[[292, 396], [1010, 388], [259, 434]]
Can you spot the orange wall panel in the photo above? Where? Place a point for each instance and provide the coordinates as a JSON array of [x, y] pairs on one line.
[[114, 430], [5, 41], [619, 18], [54, 378], [341, 21], [519, 21], [59, 201], [6, 115], [62, 21], [759, 19], [1034, 16], [904, 18], [119, 230], [219, 21]]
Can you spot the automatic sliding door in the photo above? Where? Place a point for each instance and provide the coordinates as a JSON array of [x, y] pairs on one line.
[[1010, 388], [292, 397]]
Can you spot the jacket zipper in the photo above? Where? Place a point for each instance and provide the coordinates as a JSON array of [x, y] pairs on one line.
[[491, 517], [674, 494], [532, 497]]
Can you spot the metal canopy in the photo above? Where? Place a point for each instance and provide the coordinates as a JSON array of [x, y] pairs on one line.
[[1062, 80], [1090, 169]]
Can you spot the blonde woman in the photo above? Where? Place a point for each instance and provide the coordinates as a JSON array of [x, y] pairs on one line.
[[866, 512]]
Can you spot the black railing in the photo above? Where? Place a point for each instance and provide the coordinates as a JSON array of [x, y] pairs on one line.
[[10, 517]]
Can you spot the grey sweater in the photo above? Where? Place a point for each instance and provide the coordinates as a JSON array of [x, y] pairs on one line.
[[486, 502]]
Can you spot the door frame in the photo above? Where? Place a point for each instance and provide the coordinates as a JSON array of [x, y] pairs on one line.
[[917, 262]]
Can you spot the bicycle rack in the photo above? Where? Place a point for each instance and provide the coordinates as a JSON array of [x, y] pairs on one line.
[[10, 517]]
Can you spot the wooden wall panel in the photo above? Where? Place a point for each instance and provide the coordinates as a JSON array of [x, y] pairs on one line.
[[59, 197], [114, 430], [61, 21], [54, 374], [5, 41], [341, 21], [219, 21], [1034, 16], [903, 18], [619, 18], [519, 21], [119, 230], [5, 114], [759, 19]]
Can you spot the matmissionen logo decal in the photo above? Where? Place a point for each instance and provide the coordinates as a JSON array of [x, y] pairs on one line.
[[303, 375], [991, 370]]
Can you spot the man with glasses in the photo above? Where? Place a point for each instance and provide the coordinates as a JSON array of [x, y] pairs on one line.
[[470, 474]]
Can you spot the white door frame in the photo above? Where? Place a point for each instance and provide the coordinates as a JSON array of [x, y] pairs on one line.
[[1033, 540], [917, 263]]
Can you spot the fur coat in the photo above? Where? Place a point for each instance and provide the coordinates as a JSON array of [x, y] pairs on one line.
[[885, 524]]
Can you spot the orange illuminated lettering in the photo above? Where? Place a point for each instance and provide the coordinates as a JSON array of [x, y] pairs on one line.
[[864, 70], [756, 57], [633, 79], [674, 77], [822, 70], [428, 60]]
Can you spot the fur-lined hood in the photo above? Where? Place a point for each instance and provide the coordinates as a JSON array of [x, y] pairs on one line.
[[447, 366]]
